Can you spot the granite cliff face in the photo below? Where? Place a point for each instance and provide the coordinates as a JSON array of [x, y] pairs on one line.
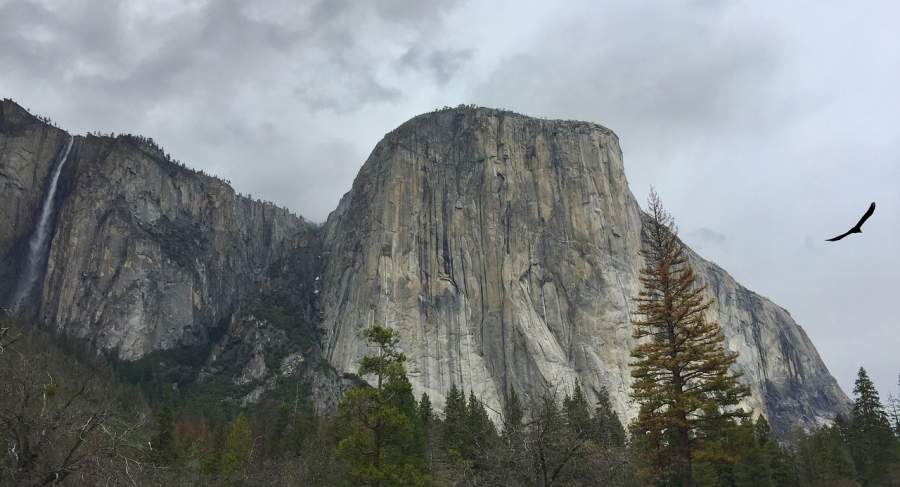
[[28, 147], [145, 254], [160, 265], [506, 251]]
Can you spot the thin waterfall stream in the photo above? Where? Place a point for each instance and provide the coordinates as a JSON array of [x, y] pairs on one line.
[[37, 246]]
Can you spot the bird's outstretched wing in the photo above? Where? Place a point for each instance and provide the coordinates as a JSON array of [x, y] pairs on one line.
[[835, 239], [866, 216], [858, 227]]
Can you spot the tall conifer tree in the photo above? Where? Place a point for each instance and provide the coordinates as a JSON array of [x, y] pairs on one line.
[[609, 430], [513, 414], [681, 368], [893, 413], [163, 441], [378, 441], [872, 442], [455, 414]]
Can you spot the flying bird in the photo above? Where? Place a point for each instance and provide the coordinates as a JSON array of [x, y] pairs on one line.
[[858, 227]]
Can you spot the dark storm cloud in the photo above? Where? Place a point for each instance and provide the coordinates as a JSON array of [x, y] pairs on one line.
[[766, 127]]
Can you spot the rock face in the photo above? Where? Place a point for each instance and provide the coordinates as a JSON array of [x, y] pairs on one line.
[[28, 147], [146, 255], [506, 251]]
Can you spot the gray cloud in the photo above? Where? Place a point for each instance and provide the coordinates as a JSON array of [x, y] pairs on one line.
[[702, 238], [440, 63], [765, 127]]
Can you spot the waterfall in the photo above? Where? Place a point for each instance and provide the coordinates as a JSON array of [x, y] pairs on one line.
[[37, 246]]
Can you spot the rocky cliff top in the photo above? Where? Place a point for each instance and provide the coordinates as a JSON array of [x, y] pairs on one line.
[[445, 116], [15, 117]]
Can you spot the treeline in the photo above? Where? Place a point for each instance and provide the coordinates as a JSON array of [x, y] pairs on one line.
[[67, 421]]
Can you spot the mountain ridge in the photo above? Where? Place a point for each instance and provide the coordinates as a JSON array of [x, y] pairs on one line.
[[461, 227]]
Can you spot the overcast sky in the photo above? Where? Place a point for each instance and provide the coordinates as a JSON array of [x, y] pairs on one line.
[[765, 127]]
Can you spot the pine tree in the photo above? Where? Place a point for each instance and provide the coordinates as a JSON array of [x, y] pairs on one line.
[[513, 458], [481, 437], [378, 438], [163, 441], [426, 425], [607, 426], [823, 458], [611, 465], [546, 442], [479, 425], [681, 370], [580, 440], [759, 461], [893, 413], [512, 417], [238, 445], [455, 414], [578, 413], [425, 412], [871, 440], [779, 463]]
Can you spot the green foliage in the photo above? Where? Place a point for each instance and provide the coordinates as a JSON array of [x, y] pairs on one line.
[[823, 457], [871, 440], [378, 442], [608, 428], [562, 443], [513, 415], [238, 445], [455, 414], [425, 412], [285, 441], [892, 408], [682, 372], [743, 454], [163, 441], [578, 413], [480, 436], [425, 429]]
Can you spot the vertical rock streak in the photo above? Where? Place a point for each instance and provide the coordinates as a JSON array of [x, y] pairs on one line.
[[37, 245]]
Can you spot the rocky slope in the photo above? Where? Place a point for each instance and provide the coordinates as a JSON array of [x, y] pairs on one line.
[[506, 251]]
